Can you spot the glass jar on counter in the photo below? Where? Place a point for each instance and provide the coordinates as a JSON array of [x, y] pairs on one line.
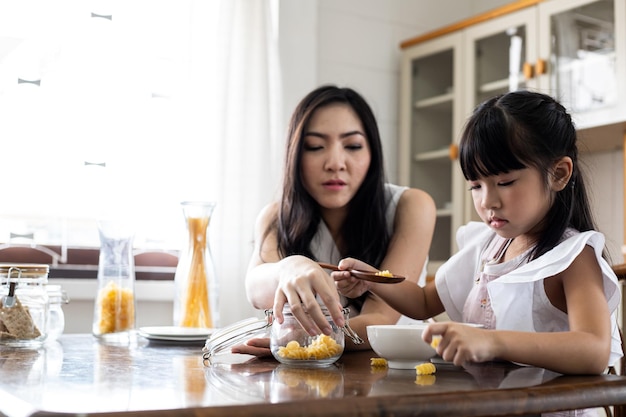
[[293, 345], [290, 344], [24, 304], [56, 317]]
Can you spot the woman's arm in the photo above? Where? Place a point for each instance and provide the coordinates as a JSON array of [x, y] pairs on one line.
[[272, 282], [584, 349]]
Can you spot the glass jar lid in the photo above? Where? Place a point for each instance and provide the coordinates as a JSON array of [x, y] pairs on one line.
[[234, 334], [34, 273], [8, 271]]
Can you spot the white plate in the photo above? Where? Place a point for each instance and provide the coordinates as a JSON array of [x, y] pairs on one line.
[[175, 333]]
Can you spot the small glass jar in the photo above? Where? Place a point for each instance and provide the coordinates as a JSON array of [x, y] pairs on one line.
[[56, 317], [23, 304], [316, 351], [292, 345]]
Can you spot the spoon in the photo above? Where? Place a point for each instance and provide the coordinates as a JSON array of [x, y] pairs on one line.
[[367, 276]]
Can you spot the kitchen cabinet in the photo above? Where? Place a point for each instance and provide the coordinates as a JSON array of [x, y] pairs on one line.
[[574, 50], [431, 114]]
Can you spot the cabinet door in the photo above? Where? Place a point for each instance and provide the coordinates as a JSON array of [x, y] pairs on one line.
[[497, 52], [431, 103], [583, 45]]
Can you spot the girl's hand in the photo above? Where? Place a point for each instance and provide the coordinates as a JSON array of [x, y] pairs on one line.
[[302, 281], [347, 284], [461, 343]]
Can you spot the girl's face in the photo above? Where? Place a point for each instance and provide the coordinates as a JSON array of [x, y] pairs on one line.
[[335, 156], [513, 204]]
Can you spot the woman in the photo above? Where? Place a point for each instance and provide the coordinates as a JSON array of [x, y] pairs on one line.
[[335, 203]]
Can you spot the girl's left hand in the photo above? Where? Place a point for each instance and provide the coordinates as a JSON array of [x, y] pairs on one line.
[[461, 343]]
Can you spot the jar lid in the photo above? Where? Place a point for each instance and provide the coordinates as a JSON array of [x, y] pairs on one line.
[[16, 271], [234, 334]]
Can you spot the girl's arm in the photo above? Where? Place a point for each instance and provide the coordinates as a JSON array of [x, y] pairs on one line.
[[272, 282], [406, 256], [585, 349]]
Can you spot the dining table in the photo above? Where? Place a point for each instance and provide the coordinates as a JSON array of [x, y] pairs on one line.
[[81, 375]]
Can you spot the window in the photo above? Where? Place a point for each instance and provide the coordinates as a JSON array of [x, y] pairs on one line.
[[104, 111]]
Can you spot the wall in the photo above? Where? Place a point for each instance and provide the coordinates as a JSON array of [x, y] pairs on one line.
[[355, 43]]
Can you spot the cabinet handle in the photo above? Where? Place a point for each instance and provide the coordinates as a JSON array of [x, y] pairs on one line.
[[528, 70], [541, 66], [453, 152]]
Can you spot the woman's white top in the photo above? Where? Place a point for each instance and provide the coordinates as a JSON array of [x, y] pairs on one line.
[[324, 248], [518, 297]]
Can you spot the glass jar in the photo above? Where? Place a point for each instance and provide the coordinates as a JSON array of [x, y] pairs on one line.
[[290, 344], [56, 317], [23, 304], [114, 309]]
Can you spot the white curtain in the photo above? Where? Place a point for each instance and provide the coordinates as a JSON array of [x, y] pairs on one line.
[[248, 154], [179, 99]]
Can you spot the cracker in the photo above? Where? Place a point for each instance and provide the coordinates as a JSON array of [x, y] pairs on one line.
[[18, 321]]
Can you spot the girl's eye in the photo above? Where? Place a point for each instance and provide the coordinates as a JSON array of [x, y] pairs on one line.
[[354, 146], [506, 183], [474, 187]]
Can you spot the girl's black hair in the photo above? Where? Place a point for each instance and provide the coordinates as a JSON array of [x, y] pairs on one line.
[[524, 129], [364, 231]]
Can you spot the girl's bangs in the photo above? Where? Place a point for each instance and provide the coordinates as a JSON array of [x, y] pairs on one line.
[[488, 148]]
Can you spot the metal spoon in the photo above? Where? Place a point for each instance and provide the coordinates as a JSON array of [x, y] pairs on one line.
[[367, 276]]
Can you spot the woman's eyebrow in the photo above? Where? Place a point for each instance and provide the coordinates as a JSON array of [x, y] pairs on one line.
[[343, 135], [352, 133]]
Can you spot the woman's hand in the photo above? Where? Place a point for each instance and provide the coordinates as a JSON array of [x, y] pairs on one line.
[[302, 281], [461, 343]]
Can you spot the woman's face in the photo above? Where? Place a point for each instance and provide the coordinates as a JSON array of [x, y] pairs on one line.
[[335, 156]]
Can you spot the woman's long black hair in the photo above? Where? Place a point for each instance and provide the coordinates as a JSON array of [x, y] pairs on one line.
[[524, 129], [364, 230]]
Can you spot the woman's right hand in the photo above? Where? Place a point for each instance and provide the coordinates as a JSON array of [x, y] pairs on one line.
[[302, 281]]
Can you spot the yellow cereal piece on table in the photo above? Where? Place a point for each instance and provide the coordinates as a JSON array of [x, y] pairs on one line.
[[378, 362], [425, 368], [384, 273], [425, 380]]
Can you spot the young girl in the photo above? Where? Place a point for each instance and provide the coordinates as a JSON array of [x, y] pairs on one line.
[[335, 203], [533, 271]]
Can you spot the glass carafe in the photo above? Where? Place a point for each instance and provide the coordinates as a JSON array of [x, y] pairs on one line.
[[195, 302], [114, 313]]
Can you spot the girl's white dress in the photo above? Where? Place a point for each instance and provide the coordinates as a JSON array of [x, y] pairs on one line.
[[517, 298], [513, 296]]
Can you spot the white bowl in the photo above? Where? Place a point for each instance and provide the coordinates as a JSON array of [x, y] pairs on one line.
[[400, 344]]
